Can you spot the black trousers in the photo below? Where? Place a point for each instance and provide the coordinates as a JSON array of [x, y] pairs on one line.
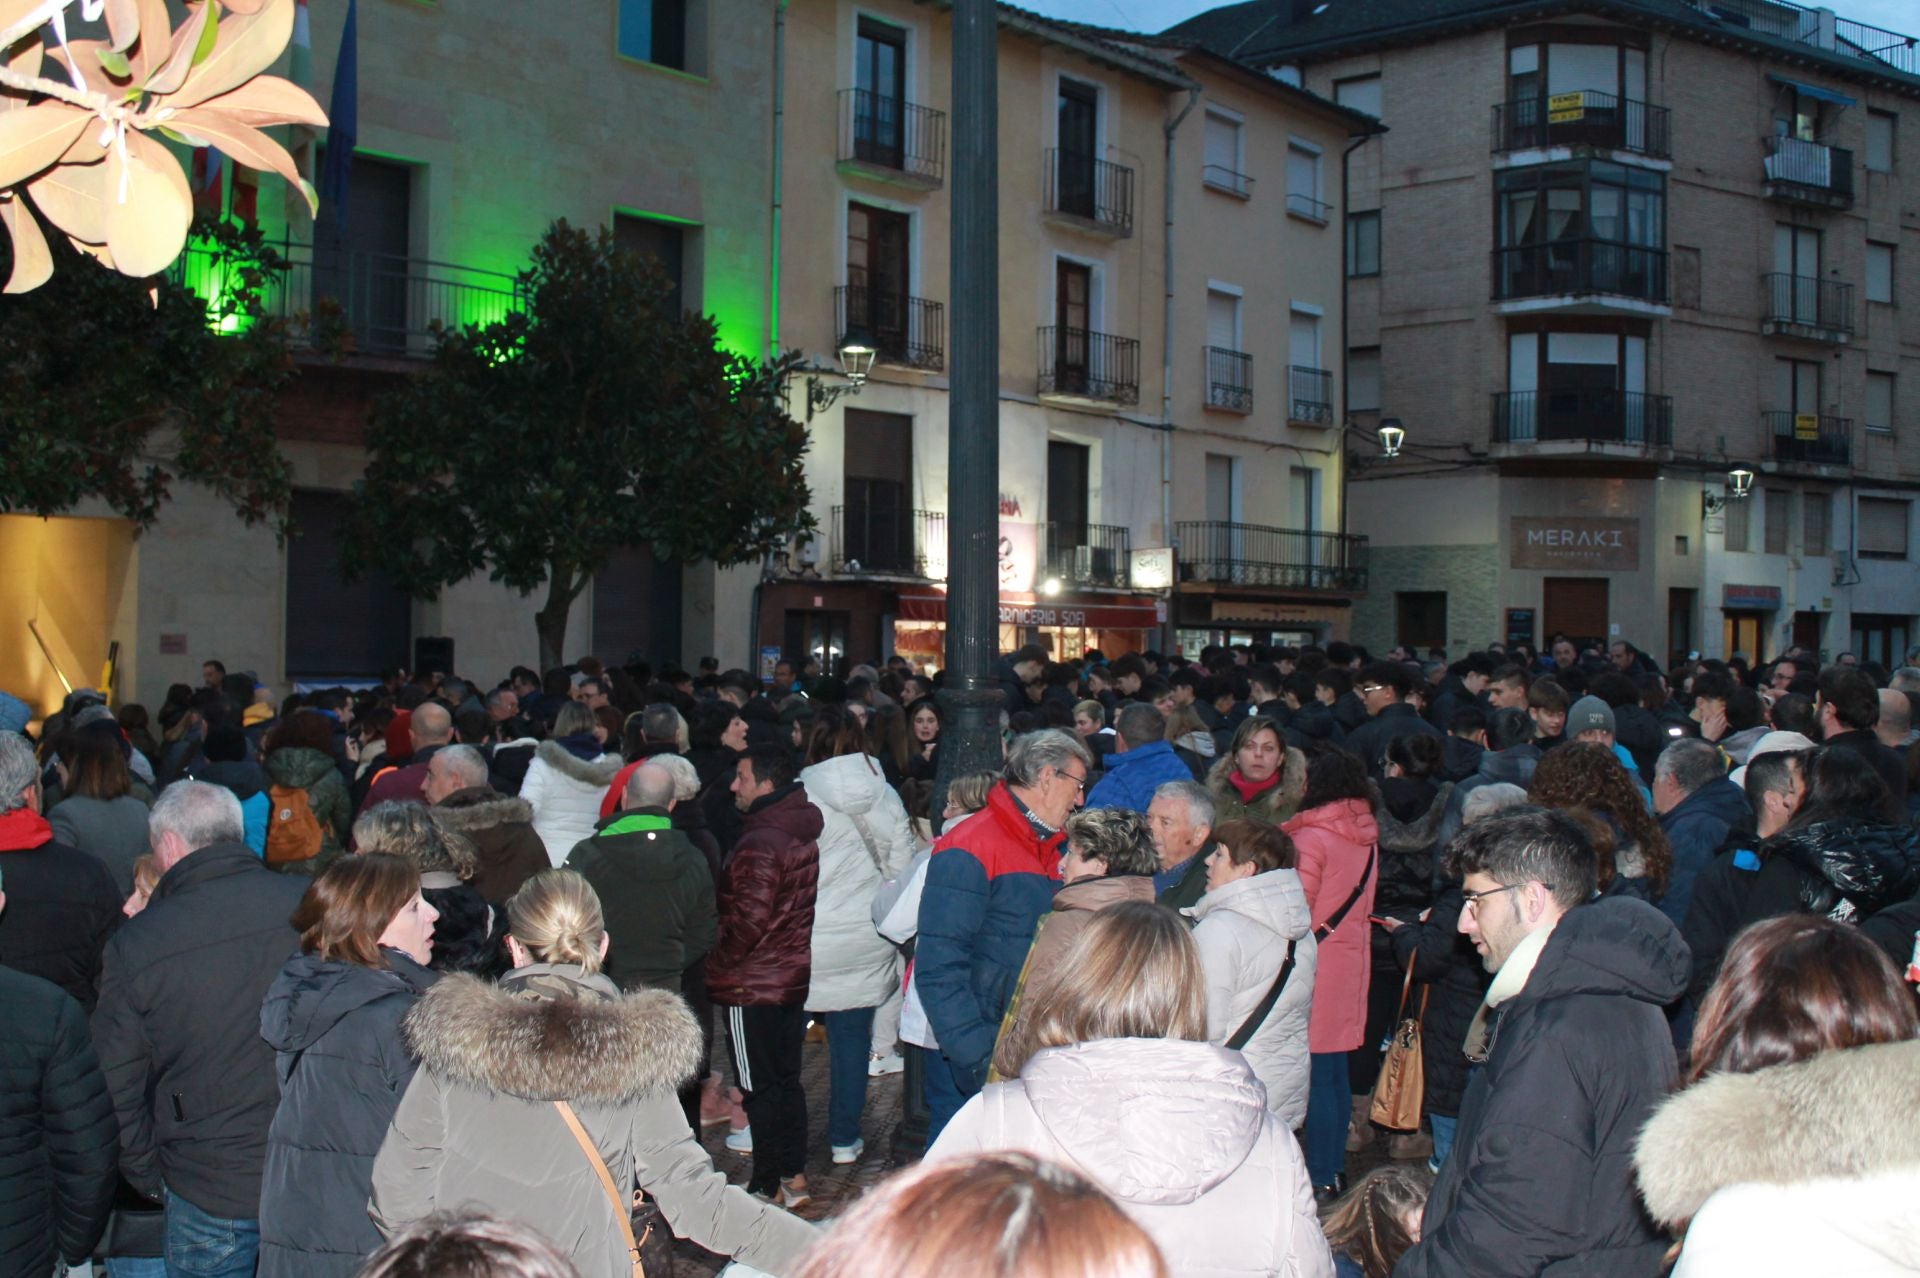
[[766, 1044]]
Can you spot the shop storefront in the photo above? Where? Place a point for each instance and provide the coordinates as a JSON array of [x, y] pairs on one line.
[[1067, 626], [1211, 618]]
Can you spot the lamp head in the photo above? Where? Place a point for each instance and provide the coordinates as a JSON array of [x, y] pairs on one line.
[[1392, 435]]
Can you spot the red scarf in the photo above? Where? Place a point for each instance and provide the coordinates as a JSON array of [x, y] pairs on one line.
[[23, 828], [1251, 790]]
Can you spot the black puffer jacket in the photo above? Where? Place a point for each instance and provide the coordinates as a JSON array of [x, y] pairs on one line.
[[1447, 962], [1540, 1180], [469, 935], [178, 1027], [342, 1067], [1409, 813], [58, 1140], [62, 906], [1851, 869]]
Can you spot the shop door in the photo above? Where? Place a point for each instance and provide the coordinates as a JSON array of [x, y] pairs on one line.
[[823, 634], [1680, 603], [1881, 638], [1806, 630], [1577, 608], [1743, 633]]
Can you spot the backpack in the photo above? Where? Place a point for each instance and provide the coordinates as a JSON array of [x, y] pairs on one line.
[[293, 832]]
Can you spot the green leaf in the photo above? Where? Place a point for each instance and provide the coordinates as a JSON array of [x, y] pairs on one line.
[[115, 63], [208, 34]]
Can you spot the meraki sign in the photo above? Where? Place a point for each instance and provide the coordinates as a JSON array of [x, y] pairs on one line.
[[1575, 542]]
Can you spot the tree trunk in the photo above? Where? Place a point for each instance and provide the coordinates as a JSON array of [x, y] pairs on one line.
[[551, 620]]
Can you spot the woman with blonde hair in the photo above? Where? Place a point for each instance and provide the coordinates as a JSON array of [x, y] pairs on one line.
[[506, 1068], [569, 773], [997, 1215], [466, 936], [1109, 1071]]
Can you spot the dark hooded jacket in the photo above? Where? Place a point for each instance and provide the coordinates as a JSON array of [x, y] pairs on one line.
[[764, 956], [1312, 724], [1695, 828], [1370, 739], [1445, 960], [504, 841], [1512, 766], [1540, 1180], [61, 906], [656, 893], [342, 1068]]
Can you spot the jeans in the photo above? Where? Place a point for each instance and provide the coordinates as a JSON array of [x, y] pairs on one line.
[[1443, 1130], [201, 1245], [1329, 1110], [136, 1267], [849, 1035], [942, 1091]]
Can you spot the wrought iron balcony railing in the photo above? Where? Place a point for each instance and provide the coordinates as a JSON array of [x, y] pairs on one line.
[[873, 539], [1810, 438], [901, 329], [1080, 364], [1309, 395], [1580, 267], [891, 133], [1808, 172], [1255, 555], [1583, 414], [1807, 301], [1585, 117], [1229, 380], [1088, 554], [1090, 189]]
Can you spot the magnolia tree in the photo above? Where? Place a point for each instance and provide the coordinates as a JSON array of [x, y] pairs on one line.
[[80, 122]]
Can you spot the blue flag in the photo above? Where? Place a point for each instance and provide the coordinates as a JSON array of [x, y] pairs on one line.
[[343, 129]]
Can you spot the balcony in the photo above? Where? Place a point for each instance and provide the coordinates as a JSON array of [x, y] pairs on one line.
[[1309, 209], [1806, 306], [874, 540], [1218, 177], [1229, 380], [1810, 439], [891, 139], [1585, 119], [1233, 554], [1581, 274], [1583, 416], [1081, 366], [910, 331], [1088, 554], [390, 305], [1089, 194], [1812, 173], [1309, 396]]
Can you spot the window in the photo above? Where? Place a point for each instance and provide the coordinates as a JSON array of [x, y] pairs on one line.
[[878, 272], [637, 604], [1306, 498], [1077, 126], [1229, 370], [1883, 528], [1580, 386], [1584, 227], [1069, 466], [880, 84], [1361, 93], [367, 623], [878, 527], [1303, 184], [662, 241], [1879, 272], [1739, 515], [1880, 403], [1223, 488], [1420, 618], [1880, 138], [1226, 163], [1363, 379], [1363, 243], [655, 31], [1816, 525], [1777, 514]]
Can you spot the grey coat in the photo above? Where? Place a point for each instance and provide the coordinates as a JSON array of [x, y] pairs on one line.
[[115, 830], [478, 1124]]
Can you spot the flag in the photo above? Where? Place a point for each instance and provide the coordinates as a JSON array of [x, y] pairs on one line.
[[209, 187], [246, 195], [343, 128], [300, 137]]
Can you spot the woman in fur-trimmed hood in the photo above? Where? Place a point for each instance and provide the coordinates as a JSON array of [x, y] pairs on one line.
[[478, 1123], [569, 774]]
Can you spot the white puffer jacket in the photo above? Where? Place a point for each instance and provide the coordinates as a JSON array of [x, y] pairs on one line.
[[1179, 1133], [867, 841], [1243, 933], [565, 792]]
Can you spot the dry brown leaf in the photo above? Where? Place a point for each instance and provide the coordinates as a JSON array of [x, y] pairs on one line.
[[34, 137], [268, 100], [179, 63], [147, 230], [32, 261], [246, 144], [248, 44], [74, 198]]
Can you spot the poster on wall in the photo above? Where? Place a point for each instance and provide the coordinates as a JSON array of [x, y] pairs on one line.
[[1019, 556], [1575, 542], [1520, 626]]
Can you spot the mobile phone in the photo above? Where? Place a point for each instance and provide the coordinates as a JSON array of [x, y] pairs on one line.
[[1380, 918]]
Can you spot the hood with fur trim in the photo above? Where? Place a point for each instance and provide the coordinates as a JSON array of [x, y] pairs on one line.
[[594, 772], [1284, 798], [480, 808], [551, 1032], [1842, 1114], [1416, 835]]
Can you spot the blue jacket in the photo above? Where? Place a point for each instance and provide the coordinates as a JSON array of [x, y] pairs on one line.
[[1696, 827], [989, 881], [1133, 777]]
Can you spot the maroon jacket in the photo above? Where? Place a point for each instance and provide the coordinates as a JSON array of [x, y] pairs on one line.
[[764, 956]]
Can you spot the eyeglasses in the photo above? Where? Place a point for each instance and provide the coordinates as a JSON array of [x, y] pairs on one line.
[[1471, 900], [1368, 689], [1079, 782]]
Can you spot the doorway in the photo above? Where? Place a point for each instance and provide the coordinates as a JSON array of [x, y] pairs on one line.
[[1744, 633], [1577, 608]]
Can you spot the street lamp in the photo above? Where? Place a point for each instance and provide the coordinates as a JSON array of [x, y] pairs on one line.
[[1739, 486], [856, 358], [1740, 481], [1051, 586], [1392, 435]]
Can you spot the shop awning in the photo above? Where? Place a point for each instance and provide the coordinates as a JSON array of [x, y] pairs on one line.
[[1813, 91], [1096, 612]]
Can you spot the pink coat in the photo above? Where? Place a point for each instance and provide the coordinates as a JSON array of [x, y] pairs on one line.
[[1334, 841]]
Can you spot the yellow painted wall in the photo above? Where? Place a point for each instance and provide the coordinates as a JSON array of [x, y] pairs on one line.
[[71, 578]]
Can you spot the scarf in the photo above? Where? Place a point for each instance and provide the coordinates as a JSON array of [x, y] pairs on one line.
[[23, 828], [1507, 982], [581, 745], [1251, 790]]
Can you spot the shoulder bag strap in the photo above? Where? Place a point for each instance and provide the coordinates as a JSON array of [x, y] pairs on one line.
[[1251, 1026], [1325, 930], [621, 1211], [860, 826]]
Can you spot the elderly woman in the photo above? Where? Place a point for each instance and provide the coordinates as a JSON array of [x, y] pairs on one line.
[[507, 1068], [569, 774], [1261, 777], [1252, 930], [467, 935], [333, 1019]]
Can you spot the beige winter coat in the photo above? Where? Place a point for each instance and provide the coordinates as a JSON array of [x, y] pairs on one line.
[[477, 1124], [1244, 932], [1179, 1133]]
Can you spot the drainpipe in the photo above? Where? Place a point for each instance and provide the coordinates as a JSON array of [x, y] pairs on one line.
[[1346, 302], [1166, 360]]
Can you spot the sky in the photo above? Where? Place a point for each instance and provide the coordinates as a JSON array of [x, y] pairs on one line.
[[1902, 16]]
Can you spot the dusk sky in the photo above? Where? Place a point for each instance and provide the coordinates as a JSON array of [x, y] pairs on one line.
[[1902, 16]]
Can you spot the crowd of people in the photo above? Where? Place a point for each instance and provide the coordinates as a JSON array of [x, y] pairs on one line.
[[422, 977]]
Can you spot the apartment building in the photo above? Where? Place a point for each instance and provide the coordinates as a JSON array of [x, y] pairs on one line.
[[1630, 273], [651, 116], [1156, 301]]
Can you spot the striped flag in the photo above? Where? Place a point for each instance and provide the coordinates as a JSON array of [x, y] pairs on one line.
[[300, 137], [209, 186]]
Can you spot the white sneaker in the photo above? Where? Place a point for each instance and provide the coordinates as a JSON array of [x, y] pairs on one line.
[[844, 1154], [881, 1066], [741, 1142]]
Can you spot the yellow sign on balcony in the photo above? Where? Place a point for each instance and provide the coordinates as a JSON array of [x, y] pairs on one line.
[[1806, 426], [1565, 108]]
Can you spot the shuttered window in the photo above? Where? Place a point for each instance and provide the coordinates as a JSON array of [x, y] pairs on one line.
[[1883, 528], [1777, 514], [1816, 525]]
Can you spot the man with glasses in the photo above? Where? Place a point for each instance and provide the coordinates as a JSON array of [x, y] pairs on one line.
[[990, 879], [1382, 688], [1574, 1052]]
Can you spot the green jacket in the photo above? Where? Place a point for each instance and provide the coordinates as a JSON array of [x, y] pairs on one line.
[[317, 774], [656, 892]]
